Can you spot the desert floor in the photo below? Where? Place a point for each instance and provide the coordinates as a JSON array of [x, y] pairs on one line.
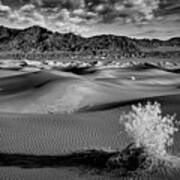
[[50, 112]]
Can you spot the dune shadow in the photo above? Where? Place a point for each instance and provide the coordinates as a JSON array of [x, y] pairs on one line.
[[130, 162], [88, 158], [108, 106]]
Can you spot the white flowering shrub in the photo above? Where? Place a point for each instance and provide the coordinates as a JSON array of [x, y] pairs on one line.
[[149, 129]]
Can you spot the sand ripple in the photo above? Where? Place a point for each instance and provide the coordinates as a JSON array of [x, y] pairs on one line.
[[44, 134]]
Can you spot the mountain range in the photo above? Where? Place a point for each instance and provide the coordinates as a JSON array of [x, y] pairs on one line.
[[37, 39]]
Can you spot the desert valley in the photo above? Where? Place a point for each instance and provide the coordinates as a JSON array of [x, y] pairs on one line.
[[62, 97]]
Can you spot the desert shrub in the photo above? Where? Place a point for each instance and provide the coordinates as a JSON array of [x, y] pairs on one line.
[[149, 128]]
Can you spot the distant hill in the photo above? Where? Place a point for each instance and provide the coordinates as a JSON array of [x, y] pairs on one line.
[[156, 42], [36, 39]]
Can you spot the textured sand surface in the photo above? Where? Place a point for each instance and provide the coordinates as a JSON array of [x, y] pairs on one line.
[[76, 174], [31, 119], [57, 92], [56, 134]]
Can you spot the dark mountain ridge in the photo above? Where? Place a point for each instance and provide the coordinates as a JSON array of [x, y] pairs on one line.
[[36, 39]]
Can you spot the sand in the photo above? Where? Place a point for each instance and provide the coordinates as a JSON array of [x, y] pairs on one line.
[[76, 174], [57, 134], [53, 113], [35, 134], [59, 92]]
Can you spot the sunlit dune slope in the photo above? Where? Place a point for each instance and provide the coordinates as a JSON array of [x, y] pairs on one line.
[[58, 134], [59, 92], [54, 112]]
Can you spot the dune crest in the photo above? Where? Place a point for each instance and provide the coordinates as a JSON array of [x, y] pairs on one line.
[[64, 92]]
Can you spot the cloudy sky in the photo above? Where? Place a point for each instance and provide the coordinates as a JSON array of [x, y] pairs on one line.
[[134, 18]]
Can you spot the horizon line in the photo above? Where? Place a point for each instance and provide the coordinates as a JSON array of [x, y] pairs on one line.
[[103, 34]]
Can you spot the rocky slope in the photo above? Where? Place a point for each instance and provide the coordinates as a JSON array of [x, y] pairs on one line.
[[36, 39]]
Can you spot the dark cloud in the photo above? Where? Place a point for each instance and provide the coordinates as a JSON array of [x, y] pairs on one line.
[[167, 7], [107, 10], [15, 3], [67, 4]]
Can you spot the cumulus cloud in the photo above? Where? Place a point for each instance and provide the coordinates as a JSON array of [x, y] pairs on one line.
[[23, 16], [28, 8], [135, 10], [4, 8], [100, 10], [79, 15], [145, 8]]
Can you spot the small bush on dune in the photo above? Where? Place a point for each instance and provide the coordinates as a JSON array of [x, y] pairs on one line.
[[149, 129]]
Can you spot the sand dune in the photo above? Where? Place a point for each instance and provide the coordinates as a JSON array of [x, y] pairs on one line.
[[59, 92], [59, 134], [54, 112], [56, 134], [53, 134]]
